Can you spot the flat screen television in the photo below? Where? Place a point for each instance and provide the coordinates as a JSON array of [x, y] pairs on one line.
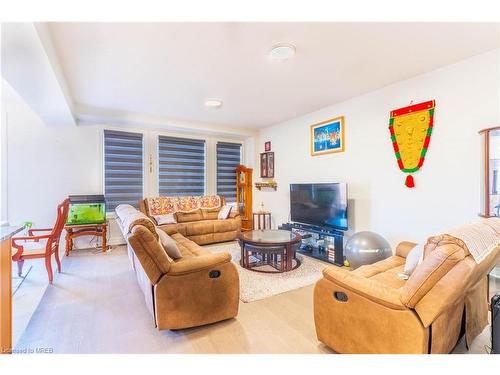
[[319, 204]]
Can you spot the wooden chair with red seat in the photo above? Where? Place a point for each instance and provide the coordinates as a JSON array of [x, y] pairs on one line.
[[41, 246]]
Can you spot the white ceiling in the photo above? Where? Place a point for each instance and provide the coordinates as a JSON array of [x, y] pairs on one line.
[[27, 57], [168, 69]]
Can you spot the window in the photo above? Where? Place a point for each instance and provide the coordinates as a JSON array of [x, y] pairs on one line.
[[228, 157], [181, 166], [123, 168]]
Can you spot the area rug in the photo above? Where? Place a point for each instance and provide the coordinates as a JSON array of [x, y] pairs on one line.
[[257, 285]]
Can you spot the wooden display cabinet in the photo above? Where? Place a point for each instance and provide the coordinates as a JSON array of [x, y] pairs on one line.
[[244, 196]]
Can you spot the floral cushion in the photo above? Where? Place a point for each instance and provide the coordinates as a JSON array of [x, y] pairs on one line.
[[170, 205]]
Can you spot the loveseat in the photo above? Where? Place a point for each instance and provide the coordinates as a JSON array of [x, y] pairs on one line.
[[373, 310], [196, 218], [198, 288]]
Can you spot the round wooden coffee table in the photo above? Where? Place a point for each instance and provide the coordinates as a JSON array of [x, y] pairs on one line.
[[274, 248]]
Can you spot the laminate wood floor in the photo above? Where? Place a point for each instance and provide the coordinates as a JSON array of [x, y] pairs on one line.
[[95, 306]]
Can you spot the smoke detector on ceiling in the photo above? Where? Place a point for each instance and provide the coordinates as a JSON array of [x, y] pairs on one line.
[[282, 51]]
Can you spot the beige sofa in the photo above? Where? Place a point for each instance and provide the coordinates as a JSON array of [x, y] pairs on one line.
[[372, 310], [199, 288], [200, 224]]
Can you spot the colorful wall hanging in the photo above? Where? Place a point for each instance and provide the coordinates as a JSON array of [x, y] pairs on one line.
[[411, 129], [327, 136]]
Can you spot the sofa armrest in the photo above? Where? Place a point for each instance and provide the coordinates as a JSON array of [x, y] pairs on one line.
[[198, 263], [404, 248], [370, 289]]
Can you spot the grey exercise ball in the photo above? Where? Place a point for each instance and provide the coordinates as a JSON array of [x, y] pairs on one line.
[[366, 248]]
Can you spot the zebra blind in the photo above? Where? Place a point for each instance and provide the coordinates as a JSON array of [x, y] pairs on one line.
[[228, 157], [181, 165], [123, 168]]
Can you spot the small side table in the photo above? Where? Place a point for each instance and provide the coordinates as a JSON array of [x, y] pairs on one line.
[[262, 220], [74, 231]]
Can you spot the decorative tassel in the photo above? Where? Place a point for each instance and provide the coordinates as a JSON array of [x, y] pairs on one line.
[[409, 181]]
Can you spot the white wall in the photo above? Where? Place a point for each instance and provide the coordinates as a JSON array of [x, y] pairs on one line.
[[45, 163], [447, 186]]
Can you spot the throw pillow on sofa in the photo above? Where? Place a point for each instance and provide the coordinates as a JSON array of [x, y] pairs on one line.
[[165, 219], [184, 217], [224, 212], [413, 259], [210, 213], [169, 244]]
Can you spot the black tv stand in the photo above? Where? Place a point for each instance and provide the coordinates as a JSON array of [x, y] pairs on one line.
[[311, 234]]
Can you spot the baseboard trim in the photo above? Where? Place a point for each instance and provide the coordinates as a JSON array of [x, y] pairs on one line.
[[116, 243]]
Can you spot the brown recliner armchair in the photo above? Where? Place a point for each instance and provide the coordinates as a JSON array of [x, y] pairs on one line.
[[200, 288], [372, 310]]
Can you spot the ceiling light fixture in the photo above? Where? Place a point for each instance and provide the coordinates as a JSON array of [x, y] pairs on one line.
[[282, 51], [213, 103]]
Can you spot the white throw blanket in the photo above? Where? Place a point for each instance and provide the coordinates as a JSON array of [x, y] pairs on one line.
[[127, 215], [481, 237]]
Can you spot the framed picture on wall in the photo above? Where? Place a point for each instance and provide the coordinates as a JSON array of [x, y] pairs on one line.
[[263, 164], [267, 164], [327, 136], [270, 164], [267, 146]]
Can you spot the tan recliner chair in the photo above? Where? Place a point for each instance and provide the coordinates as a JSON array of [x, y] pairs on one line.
[[372, 310], [198, 289]]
